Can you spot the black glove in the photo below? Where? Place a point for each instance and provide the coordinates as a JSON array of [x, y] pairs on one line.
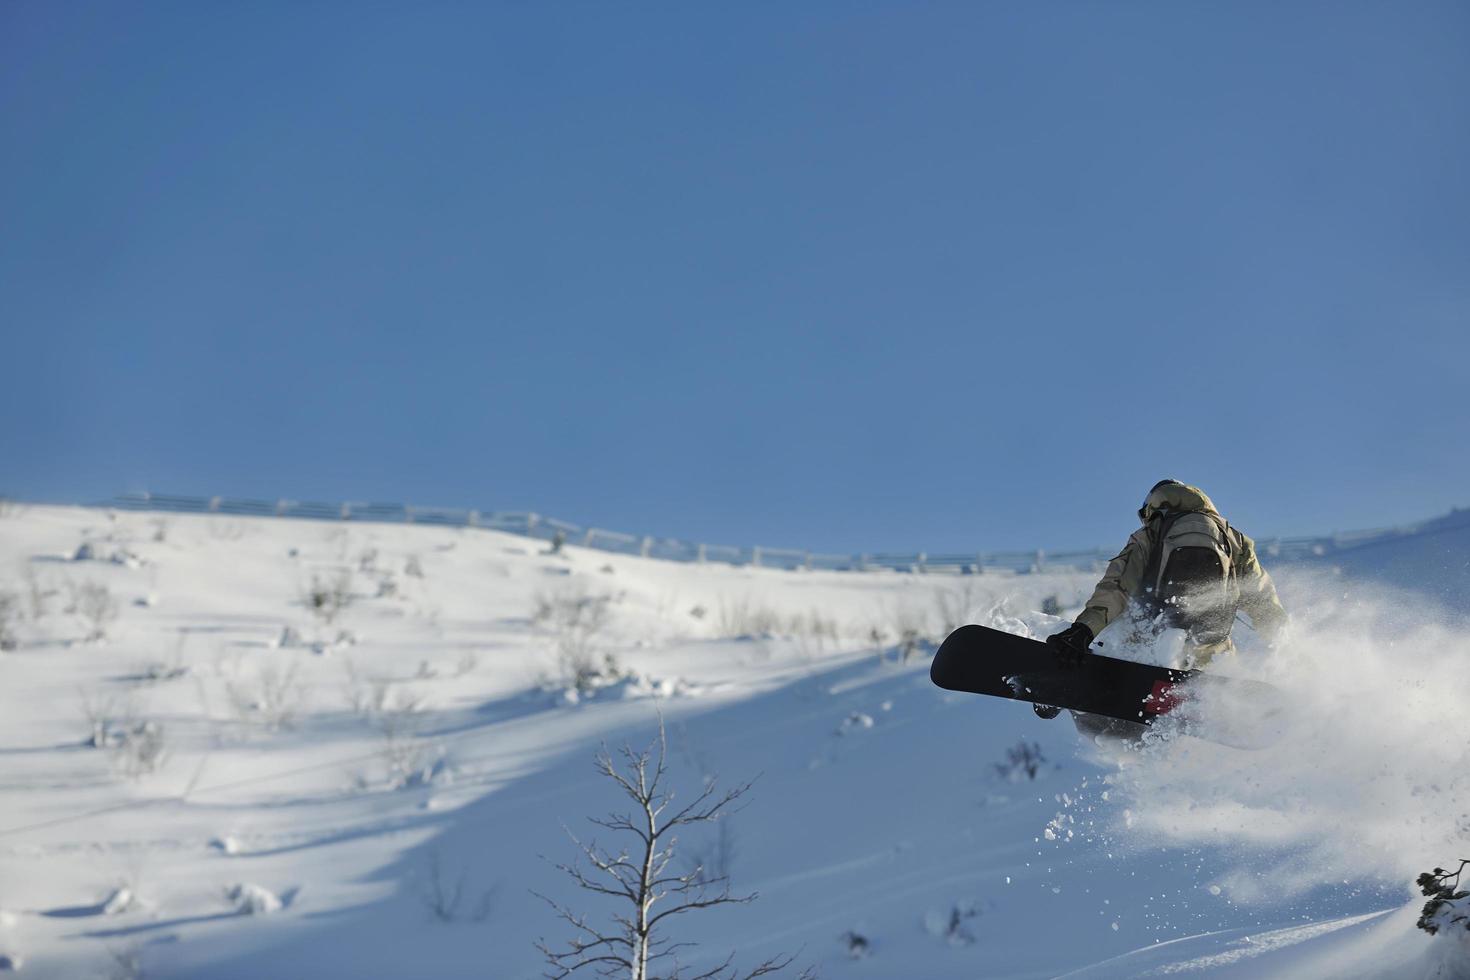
[[1071, 644]]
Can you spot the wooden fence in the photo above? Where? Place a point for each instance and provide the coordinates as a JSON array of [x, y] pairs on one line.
[[533, 525]]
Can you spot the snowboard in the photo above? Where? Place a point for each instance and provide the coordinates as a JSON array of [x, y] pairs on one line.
[[981, 660]]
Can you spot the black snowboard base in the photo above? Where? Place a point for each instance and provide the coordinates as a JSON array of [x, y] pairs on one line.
[[981, 660]]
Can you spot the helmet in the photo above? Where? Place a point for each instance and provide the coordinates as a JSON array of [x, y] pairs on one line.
[[1161, 483]]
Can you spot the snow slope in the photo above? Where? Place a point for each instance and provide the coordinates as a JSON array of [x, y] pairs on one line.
[[1431, 558], [314, 806]]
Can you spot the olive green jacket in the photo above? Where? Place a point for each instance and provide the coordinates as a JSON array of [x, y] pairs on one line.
[[1123, 580]]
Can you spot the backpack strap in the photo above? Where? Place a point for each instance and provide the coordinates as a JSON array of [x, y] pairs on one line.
[[1151, 571], [1227, 543]]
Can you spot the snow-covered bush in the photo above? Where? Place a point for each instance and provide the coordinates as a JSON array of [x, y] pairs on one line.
[[740, 619], [1022, 759], [397, 713], [950, 926], [370, 697], [743, 619], [140, 747], [9, 614], [856, 945], [94, 603], [445, 899], [158, 671], [271, 699], [407, 758], [99, 714], [1449, 905], [248, 899], [910, 628], [37, 594], [96, 551], [813, 631], [577, 617], [327, 597]]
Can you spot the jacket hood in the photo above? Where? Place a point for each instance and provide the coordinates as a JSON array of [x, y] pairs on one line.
[[1179, 497]]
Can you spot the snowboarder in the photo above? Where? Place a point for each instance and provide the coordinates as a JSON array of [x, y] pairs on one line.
[[1186, 568]]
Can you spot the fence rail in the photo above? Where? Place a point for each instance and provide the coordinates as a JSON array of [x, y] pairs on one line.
[[532, 525]]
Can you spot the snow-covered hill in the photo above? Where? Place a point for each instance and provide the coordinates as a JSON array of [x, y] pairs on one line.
[[238, 747], [1431, 558]]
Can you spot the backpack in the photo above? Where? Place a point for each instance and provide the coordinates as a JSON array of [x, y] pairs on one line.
[[1189, 581]]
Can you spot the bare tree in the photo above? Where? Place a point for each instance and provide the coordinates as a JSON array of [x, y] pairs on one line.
[[639, 878], [9, 613], [95, 604]]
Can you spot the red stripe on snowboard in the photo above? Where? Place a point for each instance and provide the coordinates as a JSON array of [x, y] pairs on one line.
[[1163, 699]]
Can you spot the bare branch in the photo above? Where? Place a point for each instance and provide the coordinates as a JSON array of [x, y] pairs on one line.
[[695, 813], [712, 974], [773, 965], [709, 903]]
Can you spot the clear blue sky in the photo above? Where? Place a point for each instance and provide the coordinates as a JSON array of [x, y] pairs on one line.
[[840, 275]]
